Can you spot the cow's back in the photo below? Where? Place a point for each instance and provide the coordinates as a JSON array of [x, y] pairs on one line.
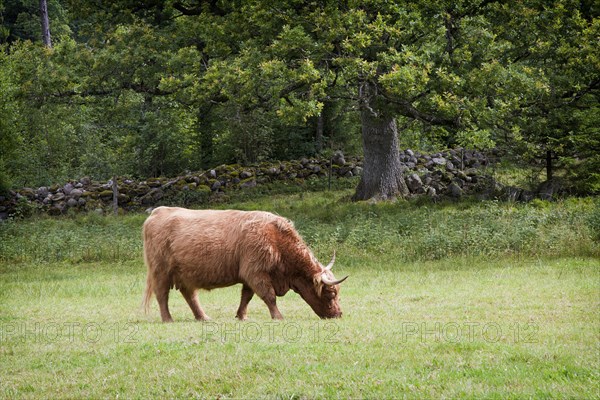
[[204, 248]]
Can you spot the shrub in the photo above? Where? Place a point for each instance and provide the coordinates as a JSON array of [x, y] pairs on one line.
[[593, 222]]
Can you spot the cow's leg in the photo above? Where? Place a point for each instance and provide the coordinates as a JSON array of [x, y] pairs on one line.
[[161, 290], [247, 294], [264, 290], [191, 296]]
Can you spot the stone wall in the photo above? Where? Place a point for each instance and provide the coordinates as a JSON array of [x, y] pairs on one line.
[[446, 174]]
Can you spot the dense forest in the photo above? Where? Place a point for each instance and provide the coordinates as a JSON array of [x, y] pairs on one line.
[[101, 88]]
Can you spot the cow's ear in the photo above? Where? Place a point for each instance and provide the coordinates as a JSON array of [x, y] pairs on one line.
[[318, 284]]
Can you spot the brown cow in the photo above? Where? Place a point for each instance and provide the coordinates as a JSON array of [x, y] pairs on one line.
[[208, 249]]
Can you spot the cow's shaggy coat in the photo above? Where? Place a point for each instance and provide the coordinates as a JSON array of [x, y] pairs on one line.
[[207, 249]]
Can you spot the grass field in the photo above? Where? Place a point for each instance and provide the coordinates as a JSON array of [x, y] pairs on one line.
[[469, 300]]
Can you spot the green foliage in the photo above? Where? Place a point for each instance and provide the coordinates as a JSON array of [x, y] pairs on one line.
[[4, 183], [20, 20], [593, 221], [402, 231], [23, 209], [165, 87]]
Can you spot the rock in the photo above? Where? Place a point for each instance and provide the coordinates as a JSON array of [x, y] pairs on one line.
[[547, 190], [215, 186], [413, 181], [28, 192], [42, 192], [338, 158], [58, 197], [147, 200], [123, 198], [157, 194], [439, 160], [454, 190], [76, 193], [248, 184], [245, 174], [432, 174], [68, 188], [72, 202], [527, 196], [106, 194]]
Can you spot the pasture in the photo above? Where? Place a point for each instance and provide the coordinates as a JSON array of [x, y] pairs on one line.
[[465, 300]]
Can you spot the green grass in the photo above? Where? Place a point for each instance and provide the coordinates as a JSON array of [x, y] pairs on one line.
[[468, 300]]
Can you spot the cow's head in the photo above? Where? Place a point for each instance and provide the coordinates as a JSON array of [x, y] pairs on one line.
[[322, 294]]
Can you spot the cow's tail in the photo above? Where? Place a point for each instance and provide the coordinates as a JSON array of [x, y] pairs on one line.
[[149, 278]]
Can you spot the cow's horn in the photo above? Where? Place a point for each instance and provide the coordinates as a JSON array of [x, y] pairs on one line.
[[331, 282], [330, 265]]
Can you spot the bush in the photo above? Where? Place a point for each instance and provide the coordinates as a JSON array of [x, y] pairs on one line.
[[593, 222], [24, 209], [4, 183]]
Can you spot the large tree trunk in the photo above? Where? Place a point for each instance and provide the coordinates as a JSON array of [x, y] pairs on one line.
[[382, 173], [45, 23]]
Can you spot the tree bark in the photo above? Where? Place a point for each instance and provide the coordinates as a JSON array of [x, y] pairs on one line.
[[382, 176], [45, 24]]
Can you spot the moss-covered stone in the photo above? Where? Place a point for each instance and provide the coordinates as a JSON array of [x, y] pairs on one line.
[[203, 189], [105, 194]]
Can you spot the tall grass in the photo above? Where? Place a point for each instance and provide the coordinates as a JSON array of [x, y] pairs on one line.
[[402, 231]]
